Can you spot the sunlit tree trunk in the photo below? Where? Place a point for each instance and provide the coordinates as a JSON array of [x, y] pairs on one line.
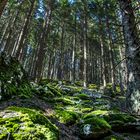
[[85, 46], [73, 53]]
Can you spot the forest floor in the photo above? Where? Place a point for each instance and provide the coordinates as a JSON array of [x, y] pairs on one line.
[[77, 113]]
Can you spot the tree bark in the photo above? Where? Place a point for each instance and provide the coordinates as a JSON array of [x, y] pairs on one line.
[[102, 54], [133, 56], [85, 47], [42, 46], [24, 30], [2, 5]]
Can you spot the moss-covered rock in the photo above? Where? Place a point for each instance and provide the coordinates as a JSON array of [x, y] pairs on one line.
[[45, 81], [94, 127], [22, 123], [66, 117], [113, 117], [79, 83], [123, 136], [54, 90], [100, 122], [70, 90], [93, 86], [86, 109], [43, 92], [64, 100], [13, 78], [96, 113], [83, 96], [112, 90]]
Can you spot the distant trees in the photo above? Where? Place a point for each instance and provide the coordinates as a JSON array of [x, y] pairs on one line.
[[70, 40]]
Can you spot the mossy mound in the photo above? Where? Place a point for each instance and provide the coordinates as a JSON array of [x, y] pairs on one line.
[[66, 117], [123, 136], [48, 81], [70, 90], [93, 86], [61, 100], [22, 123], [54, 90], [112, 117], [83, 96], [94, 127], [99, 123], [112, 90], [13, 78]]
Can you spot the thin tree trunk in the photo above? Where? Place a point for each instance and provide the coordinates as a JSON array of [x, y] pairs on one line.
[[85, 49], [102, 55]]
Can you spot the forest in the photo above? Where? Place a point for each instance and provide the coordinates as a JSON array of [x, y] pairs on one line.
[[69, 69]]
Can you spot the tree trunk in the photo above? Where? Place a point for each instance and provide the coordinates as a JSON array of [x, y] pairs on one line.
[[102, 54], [42, 46], [133, 56], [2, 5], [24, 30], [85, 49]]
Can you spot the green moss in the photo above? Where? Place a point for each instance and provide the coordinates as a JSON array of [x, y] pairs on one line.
[[24, 123], [66, 117], [95, 113], [94, 127], [48, 81], [34, 115], [70, 90], [79, 83], [122, 117], [112, 91], [83, 96], [86, 110], [64, 100], [42, 92], [93, 86], [113, 137], [98, 123], [87, 103], [13, 78], [54, 90]]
